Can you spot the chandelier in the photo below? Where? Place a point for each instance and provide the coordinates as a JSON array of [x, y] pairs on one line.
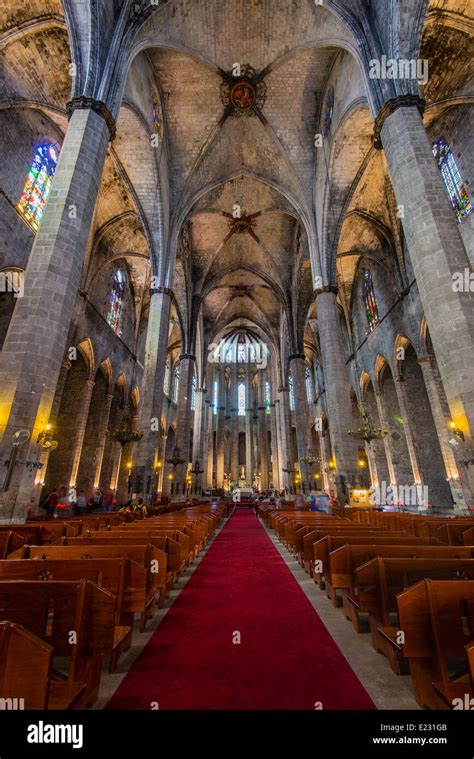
[[175, 459], [125, 435], [366, 430], [309, 458]]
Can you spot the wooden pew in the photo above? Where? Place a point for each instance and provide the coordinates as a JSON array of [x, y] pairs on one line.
[[173, 550], [301, 536], [153, 559], [25, 667], [344, 561], [320, 549], [123, 577], [468, 537], [437, 618], [53, 611], [10, 541], [377, 584], [452, 532]]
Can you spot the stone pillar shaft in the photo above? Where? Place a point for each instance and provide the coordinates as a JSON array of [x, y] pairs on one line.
[[102, 438], [84, 406], [339, 407], [38, 332], [437, 254]]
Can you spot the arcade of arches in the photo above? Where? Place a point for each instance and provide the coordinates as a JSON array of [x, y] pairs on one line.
[[222, 251]]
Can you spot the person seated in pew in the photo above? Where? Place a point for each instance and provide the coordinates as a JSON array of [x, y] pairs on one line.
[[140, 508], [127, 507]]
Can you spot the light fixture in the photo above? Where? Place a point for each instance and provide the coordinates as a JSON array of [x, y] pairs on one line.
[[361, 463], [366, 430], [457, 431]]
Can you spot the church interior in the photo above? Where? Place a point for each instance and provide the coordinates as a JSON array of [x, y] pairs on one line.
[[237, 355]]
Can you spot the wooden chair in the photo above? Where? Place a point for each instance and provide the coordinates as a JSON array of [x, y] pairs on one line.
[[377, 584], [25, 665], [123, 577], [437, 618], [77, 620]]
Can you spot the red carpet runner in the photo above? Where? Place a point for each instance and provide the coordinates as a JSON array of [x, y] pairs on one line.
[[286, 658]]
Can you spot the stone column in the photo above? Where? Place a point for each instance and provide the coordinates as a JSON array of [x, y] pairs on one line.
[[387, 441], [102, 438], [338, 400], [436, 250], [146, 481], [183, 419], [273, 428], [461, 491], [298, 372], [234, 429], [407, 427], [38, 333], [84, 406], [249, 465], [44, 454], [199, 437], [220, 429], [262, 432], [285, 425]]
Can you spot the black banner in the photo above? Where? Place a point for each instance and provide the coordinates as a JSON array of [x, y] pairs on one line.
[[127, 734]]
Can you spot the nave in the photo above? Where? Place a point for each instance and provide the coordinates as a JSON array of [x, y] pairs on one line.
[[241, 635]]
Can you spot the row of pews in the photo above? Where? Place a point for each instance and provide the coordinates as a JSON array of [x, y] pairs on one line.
[[71, 592], [406, 579]]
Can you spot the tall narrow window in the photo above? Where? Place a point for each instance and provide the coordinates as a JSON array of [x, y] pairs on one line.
[[175, 384], [370, 301], [292, 392], [157, 120], [215, 395], [452, 179], [38, 185], [193, 394], [241, 393], [116, 302], [268, 398], [309, 384], [167, 379]]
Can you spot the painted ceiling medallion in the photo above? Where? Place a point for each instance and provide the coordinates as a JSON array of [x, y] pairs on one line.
[[245, 93]]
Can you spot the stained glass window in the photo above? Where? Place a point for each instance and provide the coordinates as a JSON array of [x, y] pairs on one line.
[[292, 392], [193, 394], [167, 379], [175, 384], [370, 300], [116, 302], [268, 398], [329, 111], [157, 119], [38, 185], [241, 393], [309, 384], [215, 398], [452, 179]]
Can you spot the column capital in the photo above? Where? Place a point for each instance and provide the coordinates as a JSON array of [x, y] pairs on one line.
[[425, 359], [164, 290], [89, 383], [201, 390], [66, 364], [109, 397], [325, 289], [296, 355], [187, 355], [283, 389], [402, 101], [82, 102]]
